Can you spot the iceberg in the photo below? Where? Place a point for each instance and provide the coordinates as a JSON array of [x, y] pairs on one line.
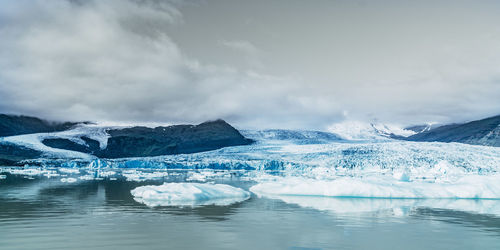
[[466, 187], [28, 171], [135, 175], [391, 207], [68, 180], [189, 194], [69, 170]]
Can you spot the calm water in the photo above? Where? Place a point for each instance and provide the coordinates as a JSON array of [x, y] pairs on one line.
[[43, 213]]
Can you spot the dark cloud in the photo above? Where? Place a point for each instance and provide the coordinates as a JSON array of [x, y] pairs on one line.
[[171, 61]]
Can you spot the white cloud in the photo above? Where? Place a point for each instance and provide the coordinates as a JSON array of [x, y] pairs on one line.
[[250, 52], [122, 61], [107, 61]]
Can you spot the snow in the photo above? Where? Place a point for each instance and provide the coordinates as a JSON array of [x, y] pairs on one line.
[[34, 141], [356, 130], [189, 194]]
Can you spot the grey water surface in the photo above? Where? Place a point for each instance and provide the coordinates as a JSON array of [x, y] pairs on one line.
[[41, 213]]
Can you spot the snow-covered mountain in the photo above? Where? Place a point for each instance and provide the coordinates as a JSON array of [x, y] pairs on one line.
[[356, 130], [287, 162]]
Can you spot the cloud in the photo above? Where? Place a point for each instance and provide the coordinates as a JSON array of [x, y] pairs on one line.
[[159, 61], [113, 61], [250, 52]]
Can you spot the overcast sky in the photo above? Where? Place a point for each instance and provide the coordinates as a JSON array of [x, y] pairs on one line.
[[256, 64]]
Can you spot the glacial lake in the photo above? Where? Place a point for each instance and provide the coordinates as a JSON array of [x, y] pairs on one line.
[[37, 212]]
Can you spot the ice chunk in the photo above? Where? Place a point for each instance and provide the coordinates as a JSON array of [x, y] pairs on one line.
[[86, 177], [189, 194], [2, 177], [468, 187], [28, 171], [194, 176], [50, 175], [135, 175], [69, 170], [68, 180], [204, 175], [106, 173]]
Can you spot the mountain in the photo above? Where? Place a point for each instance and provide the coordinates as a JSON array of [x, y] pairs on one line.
[[18, 125], [362, 131], [178, 139], [422, 128], [481, 132], [30, 137]]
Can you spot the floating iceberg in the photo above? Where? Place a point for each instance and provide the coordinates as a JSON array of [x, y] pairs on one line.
[[28, 171], [135, 175], [394, 207], [68, 180], [189, 194], [69, 170], [465, 187]]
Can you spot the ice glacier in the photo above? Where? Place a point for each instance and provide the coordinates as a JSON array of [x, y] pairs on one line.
[[189, 194], [321, 163]]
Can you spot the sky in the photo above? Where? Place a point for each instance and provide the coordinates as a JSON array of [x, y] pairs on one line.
[[257, 64]]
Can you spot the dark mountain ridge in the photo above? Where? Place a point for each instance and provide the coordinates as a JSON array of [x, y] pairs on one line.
[[481, 132], [20, 124], [125, 142]]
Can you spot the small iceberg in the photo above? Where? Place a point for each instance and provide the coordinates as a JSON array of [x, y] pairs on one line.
[[68, 180], [69, 170], [189, 194], [138, 176]]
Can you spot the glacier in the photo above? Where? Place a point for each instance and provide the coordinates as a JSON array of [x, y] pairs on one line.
[[322, 163], [189, 194]]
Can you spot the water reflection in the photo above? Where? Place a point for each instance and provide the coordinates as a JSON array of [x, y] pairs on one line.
[[396, 207], [44, 213]]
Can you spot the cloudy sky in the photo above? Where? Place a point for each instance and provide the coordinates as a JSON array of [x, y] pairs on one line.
[[257, 64]]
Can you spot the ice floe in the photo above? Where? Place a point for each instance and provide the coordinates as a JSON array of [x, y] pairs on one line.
[[189, 194], [28, 171], [136, 175], [69, 170], [465, 187], [396, 207], [68, 180]]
